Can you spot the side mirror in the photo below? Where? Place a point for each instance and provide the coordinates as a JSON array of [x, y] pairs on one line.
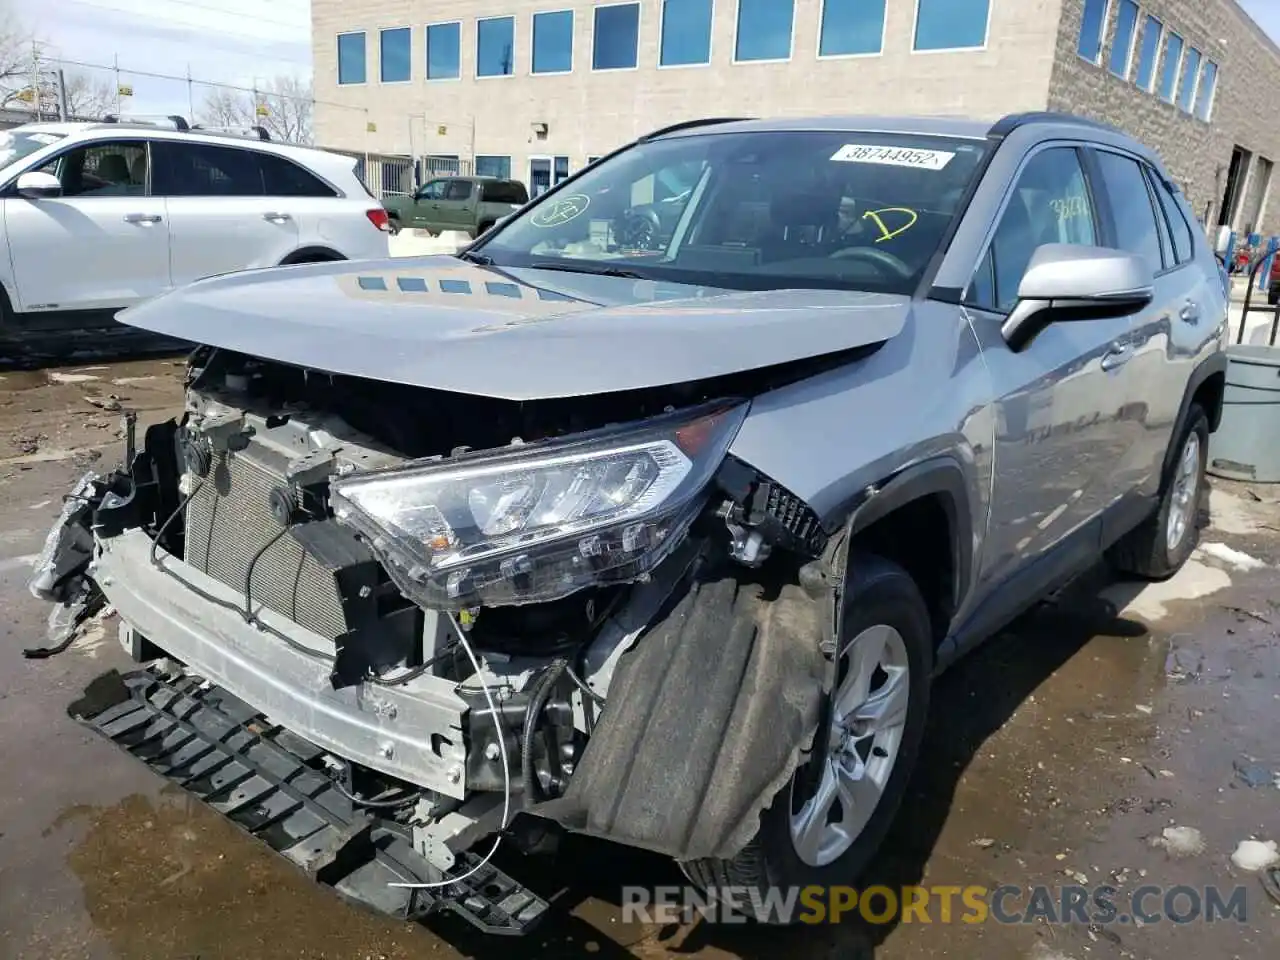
[[1067, 282], [35, 185]]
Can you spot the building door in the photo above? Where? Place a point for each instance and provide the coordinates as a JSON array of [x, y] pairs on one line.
[[1231, 195], [539, 175]]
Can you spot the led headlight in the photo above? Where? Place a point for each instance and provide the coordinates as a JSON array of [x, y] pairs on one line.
[[537, 522]]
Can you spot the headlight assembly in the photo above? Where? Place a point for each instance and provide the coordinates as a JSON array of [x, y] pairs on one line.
[[534, 523]]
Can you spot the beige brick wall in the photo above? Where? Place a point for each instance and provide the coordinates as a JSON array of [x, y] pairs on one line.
[[1197, 153], [589, 113]]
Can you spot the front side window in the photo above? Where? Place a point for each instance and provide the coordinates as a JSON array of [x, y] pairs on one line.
[[764, 29], [351, 67], [1135, 218], [103, 169], [495, 47], [1172, 63], [1190, 76], [1092, 25], [1149, 53], [1208, 86], [199, 170], [753, 211], [493, 166], [616, 37], [444, 51], [1049, 204], [1122, 45], [435, 190], [851, 27], [394, 55], [553, 42], [951, 24], [686, 33]]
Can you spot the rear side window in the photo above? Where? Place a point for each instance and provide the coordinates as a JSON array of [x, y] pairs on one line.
[[1135, 218], [505, 191], [1184, 248], [458, 190], [200, 170], [284, 178]]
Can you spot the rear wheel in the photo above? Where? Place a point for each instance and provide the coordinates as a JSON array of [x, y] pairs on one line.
[[824, 826], [1158, 548]]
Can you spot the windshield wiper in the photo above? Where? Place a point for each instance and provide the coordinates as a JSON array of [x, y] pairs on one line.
[[480, 258], [594, 270]]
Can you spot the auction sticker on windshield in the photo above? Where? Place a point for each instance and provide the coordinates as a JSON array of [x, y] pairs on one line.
[[555, 212], [893, 156]]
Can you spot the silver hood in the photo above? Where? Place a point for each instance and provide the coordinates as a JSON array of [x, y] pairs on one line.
[[443, 323]]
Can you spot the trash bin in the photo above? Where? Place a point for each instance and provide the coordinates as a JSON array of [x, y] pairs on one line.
[[1246, 445]]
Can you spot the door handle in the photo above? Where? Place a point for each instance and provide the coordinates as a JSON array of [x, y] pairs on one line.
[[1118, 357], [1190, 312], [142, 218], [276, 217]]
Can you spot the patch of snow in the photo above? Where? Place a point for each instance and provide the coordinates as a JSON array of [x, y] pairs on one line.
[[1254, 855], [1233, 558]]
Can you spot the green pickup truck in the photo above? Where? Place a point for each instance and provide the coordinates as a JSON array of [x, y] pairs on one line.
[[469, 204]]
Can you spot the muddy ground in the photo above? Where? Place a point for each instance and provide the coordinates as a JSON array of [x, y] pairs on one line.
[[1058, 751]]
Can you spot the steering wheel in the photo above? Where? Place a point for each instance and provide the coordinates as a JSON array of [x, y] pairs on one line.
[[880, 258]]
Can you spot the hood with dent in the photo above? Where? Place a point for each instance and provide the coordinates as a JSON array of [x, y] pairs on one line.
[[446, 324]]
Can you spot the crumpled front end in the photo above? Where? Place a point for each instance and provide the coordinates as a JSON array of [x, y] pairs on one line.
[[466, 616]]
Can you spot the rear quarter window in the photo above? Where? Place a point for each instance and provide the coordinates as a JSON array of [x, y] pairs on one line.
[[284, 178]]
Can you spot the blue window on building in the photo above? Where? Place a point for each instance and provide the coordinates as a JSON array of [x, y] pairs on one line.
[[351, 58], [495, 47], [1122, 45], [1208, 85], [851, 27], [444, 51], [553, 42], [1172, 63], [686, 33], [764, 29], [1190, 75], [616, 37], [1149, 53], [394, 54], [1092, 27], [499, 167], [951, 24]]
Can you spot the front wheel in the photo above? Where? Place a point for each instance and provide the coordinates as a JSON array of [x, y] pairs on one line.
[[1158, 548], [824, 826]]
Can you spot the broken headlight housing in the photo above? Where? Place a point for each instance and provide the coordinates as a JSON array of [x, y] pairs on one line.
[[534, 523]]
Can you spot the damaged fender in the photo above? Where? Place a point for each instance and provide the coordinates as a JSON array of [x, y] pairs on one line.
[[709, 715]]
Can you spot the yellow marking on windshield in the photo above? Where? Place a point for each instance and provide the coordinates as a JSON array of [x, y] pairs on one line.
[[885, 232]]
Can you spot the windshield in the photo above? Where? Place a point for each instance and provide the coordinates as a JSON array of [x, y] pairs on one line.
[[18, 143], [754, 211]]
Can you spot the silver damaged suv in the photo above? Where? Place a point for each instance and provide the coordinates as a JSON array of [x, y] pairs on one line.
[[657, 536]]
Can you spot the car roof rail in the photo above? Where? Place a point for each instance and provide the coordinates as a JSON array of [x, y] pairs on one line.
[[1006, 125], [689, 125], [172, 121], [251, 133]]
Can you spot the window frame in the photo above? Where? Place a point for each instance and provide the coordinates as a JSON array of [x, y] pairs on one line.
[[711, 39], [515, 45], [1102, 34], [884, 36], [1205, 64], [1172, 98], [1080, 148], [382, 32], [426, 52], [1194, 91], [337, 50], [927, 51], [1153, 82], [1110, 235], [1156, 182], [1134, 35], [475, 164], [595, 9], [737, 27], [573, 45]]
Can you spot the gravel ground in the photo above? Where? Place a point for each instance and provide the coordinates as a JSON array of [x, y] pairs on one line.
[[1062, 749]]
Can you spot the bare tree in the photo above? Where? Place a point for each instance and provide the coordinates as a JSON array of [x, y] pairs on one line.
[[88, 99], [284, 107], [15, 59]]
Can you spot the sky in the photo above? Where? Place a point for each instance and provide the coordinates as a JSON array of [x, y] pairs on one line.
[[1266, 13], [232, 41]]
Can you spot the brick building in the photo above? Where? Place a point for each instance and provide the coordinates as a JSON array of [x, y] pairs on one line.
[[536, 88]]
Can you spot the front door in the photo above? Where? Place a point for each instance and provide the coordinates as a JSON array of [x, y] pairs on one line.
[[1060, 429], [426, 211], [220, 218], [103, 244]]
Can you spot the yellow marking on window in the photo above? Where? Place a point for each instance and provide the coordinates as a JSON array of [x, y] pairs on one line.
[[885, 232]]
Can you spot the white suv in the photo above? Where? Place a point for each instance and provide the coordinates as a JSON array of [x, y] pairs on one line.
[[99, 216]]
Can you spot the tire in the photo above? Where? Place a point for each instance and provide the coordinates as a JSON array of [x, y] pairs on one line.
[[482, 229], [880, 597], [1151, 551], [393, 225], [1273, 295]]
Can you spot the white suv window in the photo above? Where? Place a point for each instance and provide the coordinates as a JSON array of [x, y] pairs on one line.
[[104, 168], [205, 170]]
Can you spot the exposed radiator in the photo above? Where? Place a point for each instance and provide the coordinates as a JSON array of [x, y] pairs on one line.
[[229, 520]]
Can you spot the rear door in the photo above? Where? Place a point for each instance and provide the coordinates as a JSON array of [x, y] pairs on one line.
[[457, 209], [220, 217], [103, 244]]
